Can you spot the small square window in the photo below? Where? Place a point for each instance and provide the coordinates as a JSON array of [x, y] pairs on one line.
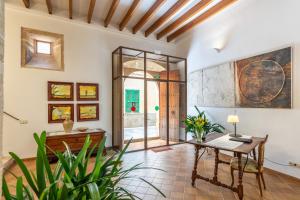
[[43, 47]]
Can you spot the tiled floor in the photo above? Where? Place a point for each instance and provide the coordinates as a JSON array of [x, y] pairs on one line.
[[138, 132], [151, 143], [175, 181]]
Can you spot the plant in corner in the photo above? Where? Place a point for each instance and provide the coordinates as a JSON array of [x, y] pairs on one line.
[[71, 179], [200, 126]]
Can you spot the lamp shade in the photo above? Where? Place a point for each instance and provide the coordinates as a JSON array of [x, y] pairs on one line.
[[233, 119]]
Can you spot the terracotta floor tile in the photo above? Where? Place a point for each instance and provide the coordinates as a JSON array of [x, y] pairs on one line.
[[175, 182]]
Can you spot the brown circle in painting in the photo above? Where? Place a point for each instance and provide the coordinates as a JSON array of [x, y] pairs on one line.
[[261, 81]]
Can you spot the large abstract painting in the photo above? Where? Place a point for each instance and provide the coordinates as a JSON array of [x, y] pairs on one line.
[[265, 81]]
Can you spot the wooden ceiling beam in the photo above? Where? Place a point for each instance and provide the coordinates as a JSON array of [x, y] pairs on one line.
[[148, 15], [91, 10], [209, 13], [71, 9], [111, 12], [167, 15], [49, 6], [26, 3], [129, 14], [186, 16]]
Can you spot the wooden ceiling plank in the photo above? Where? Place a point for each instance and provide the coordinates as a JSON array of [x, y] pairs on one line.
[[212, 11], [111, 12], [71, 9], [182, 19], [49, 6], [129, 14], [148, 15], [91, 10], [26, 3], [166, 16]]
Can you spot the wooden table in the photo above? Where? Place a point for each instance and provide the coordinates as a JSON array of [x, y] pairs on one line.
[[244, 148], [75, 139]]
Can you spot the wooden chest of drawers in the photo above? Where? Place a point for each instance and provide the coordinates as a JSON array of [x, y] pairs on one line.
[[75, 140]]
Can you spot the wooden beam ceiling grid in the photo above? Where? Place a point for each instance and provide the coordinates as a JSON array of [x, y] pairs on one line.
[[91, 10], [148, 15], [129, 14], [176, 28], [111, 12], [183, 18], [166, 16], [26, 3], [49, 6], [201, 18]]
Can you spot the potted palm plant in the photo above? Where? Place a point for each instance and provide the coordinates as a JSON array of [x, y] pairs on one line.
[[200, 126], [70, 178]]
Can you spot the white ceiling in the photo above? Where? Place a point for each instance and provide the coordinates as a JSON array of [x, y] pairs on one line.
[[80, 10]]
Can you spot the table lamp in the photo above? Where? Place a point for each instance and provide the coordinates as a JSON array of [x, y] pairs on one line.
[[233, 119]]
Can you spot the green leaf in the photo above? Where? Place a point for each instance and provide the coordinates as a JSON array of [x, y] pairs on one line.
[[19, 189], [40, 171], [25, 171], [63, 162], [93, 190], [5, 191], [41, 146], [153, 187], [80, 155]]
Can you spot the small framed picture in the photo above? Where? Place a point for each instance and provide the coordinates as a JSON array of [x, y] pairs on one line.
[[60, 91], [57, 113], [87, 92], [87, 112]]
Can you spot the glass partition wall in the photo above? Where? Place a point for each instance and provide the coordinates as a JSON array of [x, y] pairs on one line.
[[149, 99]]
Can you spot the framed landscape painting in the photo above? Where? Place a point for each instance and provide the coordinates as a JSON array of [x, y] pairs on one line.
[[57, 113], [60, 91], [87, 91], [87, 112]]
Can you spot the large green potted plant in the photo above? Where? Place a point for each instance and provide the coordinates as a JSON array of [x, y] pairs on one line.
[[71, 179], [200, 126]]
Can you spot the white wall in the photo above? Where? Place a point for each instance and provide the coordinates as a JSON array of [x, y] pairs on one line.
[[87, 55], [248, 28]]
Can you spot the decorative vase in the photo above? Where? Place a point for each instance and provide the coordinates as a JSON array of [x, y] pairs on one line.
[[68, 125], [199, 135]]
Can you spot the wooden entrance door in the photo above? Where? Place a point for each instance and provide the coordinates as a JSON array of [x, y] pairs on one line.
[[174, 106]]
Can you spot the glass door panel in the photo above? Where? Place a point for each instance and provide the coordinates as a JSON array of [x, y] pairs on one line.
[[133, 63], [156, 113], [149, 99], [134, 124], [156, 66], [177, 69]]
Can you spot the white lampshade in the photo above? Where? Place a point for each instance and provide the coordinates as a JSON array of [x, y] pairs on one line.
[[233, 119]]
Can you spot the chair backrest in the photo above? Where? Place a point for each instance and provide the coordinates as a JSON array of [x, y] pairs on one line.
[[261, 153]]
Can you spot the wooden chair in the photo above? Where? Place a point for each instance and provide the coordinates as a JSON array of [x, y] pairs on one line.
[[253, 166]]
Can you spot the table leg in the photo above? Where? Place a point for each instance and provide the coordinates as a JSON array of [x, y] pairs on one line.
[[240, 182], [215, 179], [194, 174], [254, 154]]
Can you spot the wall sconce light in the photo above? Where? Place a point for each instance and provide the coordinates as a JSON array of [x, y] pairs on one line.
[[218, 50]]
